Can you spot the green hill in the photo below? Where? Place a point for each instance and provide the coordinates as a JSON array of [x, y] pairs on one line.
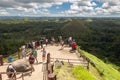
[[75, 26], [105, 71]]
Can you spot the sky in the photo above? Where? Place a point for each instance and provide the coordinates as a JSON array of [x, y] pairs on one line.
[[60, 8]]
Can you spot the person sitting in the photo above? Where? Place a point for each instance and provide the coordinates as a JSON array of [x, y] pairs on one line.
[[10, 59], [11, 76]]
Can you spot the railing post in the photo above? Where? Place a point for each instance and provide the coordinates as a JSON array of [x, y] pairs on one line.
[[22, 77], [0, 76], [1, 59], [18, 55], [88, 64], [68, 61], [48, 58]]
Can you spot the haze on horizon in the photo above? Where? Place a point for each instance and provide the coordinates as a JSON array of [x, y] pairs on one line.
[[60, 8]]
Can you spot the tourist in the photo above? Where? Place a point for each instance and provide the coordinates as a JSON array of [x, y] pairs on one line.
[[41, 43], [33, 44], [34, 52], [46, 41], [10, 58], [11, 76], [74, 45], [43, 54], [23, 52], [62, 44], [31, 61], [70, 41]]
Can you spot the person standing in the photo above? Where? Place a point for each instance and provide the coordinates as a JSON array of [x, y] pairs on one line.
[[35, 54], [62, 44], [41, 43], [23, 52], [70, 41], [43, 55], [31, 61], [74, 45], [33, 44], [46, 41]]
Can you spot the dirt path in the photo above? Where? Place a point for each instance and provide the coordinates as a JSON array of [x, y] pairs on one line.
[[54, 51]]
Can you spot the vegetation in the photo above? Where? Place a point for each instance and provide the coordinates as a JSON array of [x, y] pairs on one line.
[[80, 73], [106, 71], [67, 72], [99, 36]]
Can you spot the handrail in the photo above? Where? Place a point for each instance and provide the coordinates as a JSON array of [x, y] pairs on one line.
[[85, 64], [66, 59], [11, 73]]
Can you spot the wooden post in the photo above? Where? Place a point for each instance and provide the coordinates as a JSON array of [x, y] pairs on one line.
[[0, 76], [68, 61], [52, 68], [1, 59], [15, 75], [88, 65], [18, 55], [48, 58], [22, 77]]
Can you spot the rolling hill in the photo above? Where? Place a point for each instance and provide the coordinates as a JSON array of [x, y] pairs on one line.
[[75, 26]]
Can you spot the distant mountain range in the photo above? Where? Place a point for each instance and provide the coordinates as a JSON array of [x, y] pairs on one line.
[[43, 17]]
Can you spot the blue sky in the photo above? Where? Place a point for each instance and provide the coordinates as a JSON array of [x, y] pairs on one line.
[[54, 9], [58, 8], [98, 3]]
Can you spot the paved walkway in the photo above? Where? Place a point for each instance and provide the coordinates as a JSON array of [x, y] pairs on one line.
[[55, 52]]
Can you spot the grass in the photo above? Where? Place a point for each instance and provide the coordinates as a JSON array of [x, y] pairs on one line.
[[94, 72], [73, 73], [80, 73], [64, 73], [114, 66], [106, 71]]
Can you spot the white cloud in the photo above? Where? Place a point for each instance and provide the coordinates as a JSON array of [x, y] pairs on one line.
[[74, 7], [78, 7], [3, 12], [105, 5], [81, 8]]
